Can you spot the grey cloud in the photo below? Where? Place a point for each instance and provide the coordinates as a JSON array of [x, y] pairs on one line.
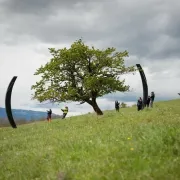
[[127, 97], [167, 69], [134, 96], [148, 29], [37, 6], [66, 26]]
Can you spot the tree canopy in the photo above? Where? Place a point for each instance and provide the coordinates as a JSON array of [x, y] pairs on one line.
[[81, 74]]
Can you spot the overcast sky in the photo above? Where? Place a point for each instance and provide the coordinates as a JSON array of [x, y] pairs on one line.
[[148, 29]]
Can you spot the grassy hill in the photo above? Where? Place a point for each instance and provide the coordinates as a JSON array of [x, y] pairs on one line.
[[129, 145], [22, 116]]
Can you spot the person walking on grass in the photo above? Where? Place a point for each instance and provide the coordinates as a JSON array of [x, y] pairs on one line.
[[152, 99], [139, 104], [117, 106], [148, 101], [65, 111], [49, 113]]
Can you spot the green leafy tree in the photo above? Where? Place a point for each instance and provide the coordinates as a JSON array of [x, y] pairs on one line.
[[123, 105], [81, 74], [134, 105]]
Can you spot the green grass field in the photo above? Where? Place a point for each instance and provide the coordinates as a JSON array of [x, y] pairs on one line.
[[129, 145]]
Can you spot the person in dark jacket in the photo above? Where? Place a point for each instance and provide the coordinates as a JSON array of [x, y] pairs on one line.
[[148, 101], [49, 113], [117, 106], [139, 104], [152, 99]]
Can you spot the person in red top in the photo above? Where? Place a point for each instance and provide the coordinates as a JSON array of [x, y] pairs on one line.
[[49, 113]]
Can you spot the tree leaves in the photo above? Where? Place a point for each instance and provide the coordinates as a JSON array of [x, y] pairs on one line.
[[81, 73]]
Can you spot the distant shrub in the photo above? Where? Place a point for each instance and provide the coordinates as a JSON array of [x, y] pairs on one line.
[[123, 105]]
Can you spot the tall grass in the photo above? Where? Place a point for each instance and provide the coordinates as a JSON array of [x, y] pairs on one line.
[[128, 145]]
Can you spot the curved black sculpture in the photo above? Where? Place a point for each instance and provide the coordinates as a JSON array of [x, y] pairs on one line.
[[144, 83], [8, 102]]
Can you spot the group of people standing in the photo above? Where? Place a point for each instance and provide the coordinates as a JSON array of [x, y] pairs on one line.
[[49, 114], [140, 104], [150, 101]]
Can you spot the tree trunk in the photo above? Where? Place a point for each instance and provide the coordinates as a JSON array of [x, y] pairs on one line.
[[96, 108]]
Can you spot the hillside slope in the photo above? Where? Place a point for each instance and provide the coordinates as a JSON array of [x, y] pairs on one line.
[[21, 114], [129, 145]]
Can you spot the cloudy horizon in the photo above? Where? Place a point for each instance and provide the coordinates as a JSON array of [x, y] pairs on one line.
[[148, 30]]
